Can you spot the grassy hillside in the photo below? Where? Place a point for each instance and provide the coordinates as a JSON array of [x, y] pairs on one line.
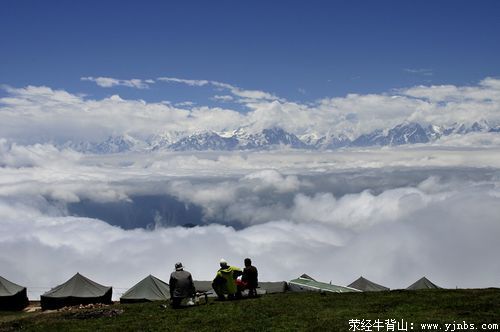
[[279, 312]]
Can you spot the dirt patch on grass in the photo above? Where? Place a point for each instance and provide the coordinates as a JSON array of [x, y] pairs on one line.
[[89, 314]]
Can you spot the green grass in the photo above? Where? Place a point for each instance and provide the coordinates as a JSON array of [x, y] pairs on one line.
[[279, 312]]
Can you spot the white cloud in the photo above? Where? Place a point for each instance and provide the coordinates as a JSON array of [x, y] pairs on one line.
[[486, 91], [185, 104], [223, 98], [109, 82], [272, 179], [471, 140], [358, 211], [247, 95], [420, 71], [41, 114], [184, 81]]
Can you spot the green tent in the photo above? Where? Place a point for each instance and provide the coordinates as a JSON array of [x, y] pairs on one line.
[[310, 285], [77, 290], [423, 283], [366, 285], [12, 296], [148, 289]]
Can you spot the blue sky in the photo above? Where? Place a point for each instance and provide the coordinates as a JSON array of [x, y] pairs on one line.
[[300, 50]]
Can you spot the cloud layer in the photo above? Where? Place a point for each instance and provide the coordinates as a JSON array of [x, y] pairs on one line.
[[38, 114], [390, 215]]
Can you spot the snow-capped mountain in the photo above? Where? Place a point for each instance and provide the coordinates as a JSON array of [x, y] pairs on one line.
[[164, 140], [409, 133], [435, 132], [113, 144], [205, 141], [376, 137], [272, 138], [238, 140], [330, 142]]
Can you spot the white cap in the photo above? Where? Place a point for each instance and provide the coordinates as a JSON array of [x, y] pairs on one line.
[[222, 262]]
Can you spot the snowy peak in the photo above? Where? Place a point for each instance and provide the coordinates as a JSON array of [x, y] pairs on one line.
[[376, 137], [116, 144], [277, 136], [332, 142], [435, 132], [238, 140], [272, 138], [205, 141], [410, 133], [113, 144], [164, 140]]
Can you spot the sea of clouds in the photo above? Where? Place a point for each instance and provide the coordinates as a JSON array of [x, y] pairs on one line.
[[392, 215]]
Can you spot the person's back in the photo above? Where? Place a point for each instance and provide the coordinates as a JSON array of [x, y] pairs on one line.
[[181, 285], [224, 282], [250, 277]]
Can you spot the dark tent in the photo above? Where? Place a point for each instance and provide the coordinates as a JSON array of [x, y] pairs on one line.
[[77, 290], [306, 276], [12, 296], [366, 285], [422, 283], [148, 289]]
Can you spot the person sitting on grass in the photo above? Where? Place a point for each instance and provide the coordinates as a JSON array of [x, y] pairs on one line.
[[181, 286], [250, 278], [225, 281]]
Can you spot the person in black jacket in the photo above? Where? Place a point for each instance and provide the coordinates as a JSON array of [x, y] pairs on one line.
[[181, 285], [250, 278]]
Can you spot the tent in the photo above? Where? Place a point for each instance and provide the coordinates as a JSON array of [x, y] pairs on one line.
[[12, 296], [366, 285], [302, 284], [148, 289], [265, 287], [271, 287], [77, 290], [203, 285], [306, 276], [422, 283]]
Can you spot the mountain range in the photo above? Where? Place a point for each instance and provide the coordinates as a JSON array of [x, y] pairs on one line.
[[272, 138]]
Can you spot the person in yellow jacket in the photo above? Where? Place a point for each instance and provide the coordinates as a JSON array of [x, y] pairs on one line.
[[225, 280]]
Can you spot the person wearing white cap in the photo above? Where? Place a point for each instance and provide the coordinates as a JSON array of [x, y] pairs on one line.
[[181, 285], [225, 280]]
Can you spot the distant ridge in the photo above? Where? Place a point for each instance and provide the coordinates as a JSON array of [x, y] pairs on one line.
[[275, 138]]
